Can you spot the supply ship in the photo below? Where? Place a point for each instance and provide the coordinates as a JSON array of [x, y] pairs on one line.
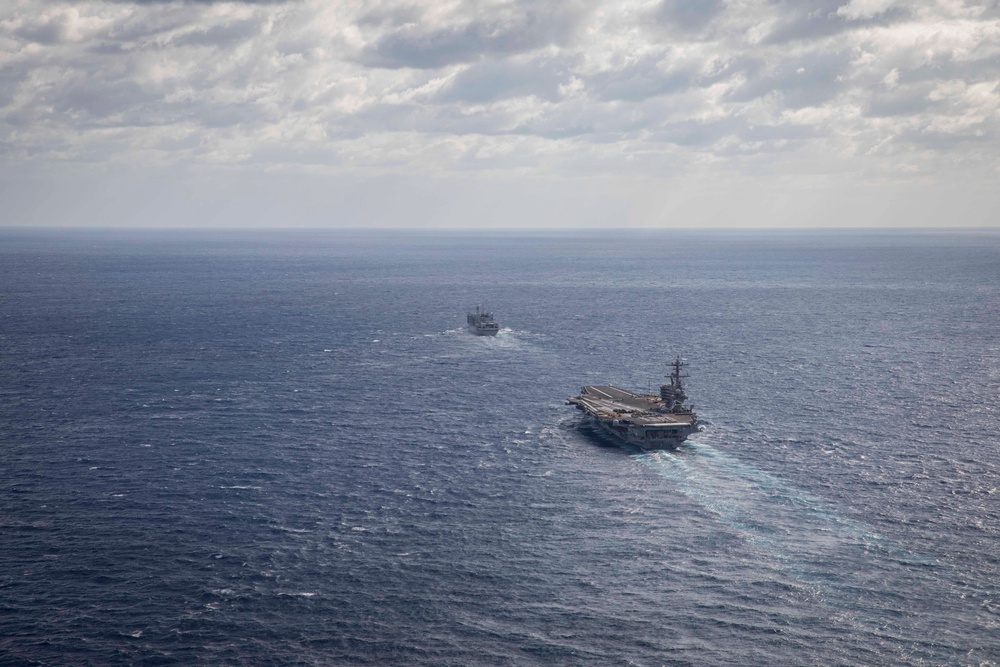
[[481, 323], [647, 421]]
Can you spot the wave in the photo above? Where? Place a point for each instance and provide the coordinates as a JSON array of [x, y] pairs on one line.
[[805, 537]]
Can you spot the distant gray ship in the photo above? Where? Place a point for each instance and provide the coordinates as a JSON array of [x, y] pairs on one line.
[[647, 421], [481, 323]]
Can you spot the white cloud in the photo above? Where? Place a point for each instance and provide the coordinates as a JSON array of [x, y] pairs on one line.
[[645, 89], [866, 9]]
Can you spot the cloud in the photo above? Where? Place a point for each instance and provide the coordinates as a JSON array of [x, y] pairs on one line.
[[807, 79], [46, 29], [496, 80], [631, 87], [220, 36], [90, 102], [203, 2], [645, 78], [689, 14], [499, 29], [866, 9], [901, 101], [816, 19]]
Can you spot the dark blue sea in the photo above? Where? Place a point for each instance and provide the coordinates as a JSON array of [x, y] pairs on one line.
[[284, 448]]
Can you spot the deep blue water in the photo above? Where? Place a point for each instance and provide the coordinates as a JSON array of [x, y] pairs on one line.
[[284, 448]]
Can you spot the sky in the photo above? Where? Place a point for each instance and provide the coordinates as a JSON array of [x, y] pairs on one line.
[[500, 113]]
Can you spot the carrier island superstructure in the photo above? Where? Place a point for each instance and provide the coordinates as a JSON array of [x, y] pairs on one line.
[[647, 421]]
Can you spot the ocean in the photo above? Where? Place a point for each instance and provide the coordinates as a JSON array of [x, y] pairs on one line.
[[264, 448]]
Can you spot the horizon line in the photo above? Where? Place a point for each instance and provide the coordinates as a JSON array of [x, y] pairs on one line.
[[473, 230]]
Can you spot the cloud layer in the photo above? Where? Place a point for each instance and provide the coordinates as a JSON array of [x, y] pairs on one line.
[[875, 90]]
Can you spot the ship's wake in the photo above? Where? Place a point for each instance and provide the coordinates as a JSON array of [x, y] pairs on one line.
[[766, 510], [802, 536]]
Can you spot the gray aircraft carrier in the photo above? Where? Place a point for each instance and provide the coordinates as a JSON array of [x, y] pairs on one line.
[[647, 421]]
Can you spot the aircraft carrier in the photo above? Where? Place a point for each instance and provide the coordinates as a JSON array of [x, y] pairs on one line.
[[647, 421]]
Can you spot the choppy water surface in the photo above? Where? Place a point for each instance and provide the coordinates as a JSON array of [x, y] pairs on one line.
[[286, 449]]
